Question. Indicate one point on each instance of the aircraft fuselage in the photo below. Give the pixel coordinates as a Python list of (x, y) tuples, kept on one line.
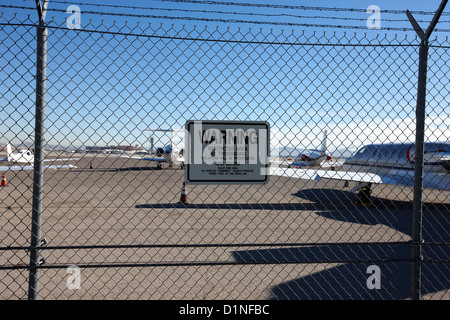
[(382, 158)]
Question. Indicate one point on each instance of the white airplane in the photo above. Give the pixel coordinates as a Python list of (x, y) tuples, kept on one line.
[(391, 163), (169, 154), (27, 157), (310, 157)]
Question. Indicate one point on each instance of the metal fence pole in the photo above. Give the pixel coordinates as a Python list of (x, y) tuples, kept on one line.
[(38, 181), (418, 173), (416, 270)]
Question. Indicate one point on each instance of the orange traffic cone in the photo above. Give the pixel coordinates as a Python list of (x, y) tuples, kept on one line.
[(183, 197), (4, 180)]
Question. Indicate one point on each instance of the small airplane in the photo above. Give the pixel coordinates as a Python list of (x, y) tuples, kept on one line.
[(169, 154), (27, 157), (310, 157), (390, 163)]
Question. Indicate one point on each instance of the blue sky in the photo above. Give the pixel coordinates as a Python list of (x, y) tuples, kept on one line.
[(107, 88)]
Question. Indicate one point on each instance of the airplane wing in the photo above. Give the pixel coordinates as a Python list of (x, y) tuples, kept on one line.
[(125, 156), (291, 163), (303, 164), (154, 159), (331, 164), (432, 180), (281, 162), (68, 159), (311, 174), (21, 168), (300, 164), (158, 159)]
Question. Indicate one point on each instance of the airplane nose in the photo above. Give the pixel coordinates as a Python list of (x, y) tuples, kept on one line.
[(329, 157)]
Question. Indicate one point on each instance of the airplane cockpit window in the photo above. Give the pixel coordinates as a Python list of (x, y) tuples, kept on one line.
[(359, 153), (371, 152)]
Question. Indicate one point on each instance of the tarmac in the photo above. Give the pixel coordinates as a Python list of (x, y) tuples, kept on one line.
[(119, 221)]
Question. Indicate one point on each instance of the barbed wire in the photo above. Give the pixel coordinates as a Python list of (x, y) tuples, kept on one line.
[(272, 6), (229, 12), (220, 20), (281, 6)]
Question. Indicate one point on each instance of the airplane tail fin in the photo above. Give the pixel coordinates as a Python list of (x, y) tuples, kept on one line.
[(9, 151), (323, 146)]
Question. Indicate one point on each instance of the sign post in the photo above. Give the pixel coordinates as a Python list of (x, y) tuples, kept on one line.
[(227, 152)]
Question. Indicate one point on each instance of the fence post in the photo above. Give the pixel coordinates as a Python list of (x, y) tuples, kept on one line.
[(418, 174), (416, 269), (38, 180)]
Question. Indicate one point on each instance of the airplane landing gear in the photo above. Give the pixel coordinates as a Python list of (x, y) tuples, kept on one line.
[(364, 195)]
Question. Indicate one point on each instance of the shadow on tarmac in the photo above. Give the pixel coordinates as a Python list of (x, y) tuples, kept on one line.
[(350, 279)]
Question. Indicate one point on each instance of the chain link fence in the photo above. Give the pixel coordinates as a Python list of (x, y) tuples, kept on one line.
[(112, 224)]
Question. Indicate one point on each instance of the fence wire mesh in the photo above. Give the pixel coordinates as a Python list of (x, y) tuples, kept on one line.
[(112, 224)]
